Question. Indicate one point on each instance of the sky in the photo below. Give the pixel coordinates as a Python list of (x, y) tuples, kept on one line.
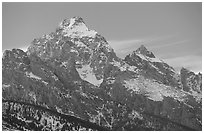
[(172, 31)]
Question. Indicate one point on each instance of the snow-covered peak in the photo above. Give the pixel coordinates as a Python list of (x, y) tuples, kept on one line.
[(144, 54), (143, 50), (86, 73), (71, 22), (76, 27), (149, 59), (141, 57)]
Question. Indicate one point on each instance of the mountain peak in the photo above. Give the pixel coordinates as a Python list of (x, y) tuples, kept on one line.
[(143, 50), (76, 27), (78, 19), (71, 22), (185, 71)]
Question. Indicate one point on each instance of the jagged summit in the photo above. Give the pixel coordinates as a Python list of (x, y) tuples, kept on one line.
[(75, 43), (74, 71), (144, 54), (191, 81), (75, 27), (185, 71), (71, 22), (143, 50), (14, 52), (78, 19)]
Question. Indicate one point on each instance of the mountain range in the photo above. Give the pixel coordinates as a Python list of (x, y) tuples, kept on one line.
[(72, 76)]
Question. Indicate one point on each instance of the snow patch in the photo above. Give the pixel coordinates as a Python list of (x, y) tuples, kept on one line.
[(132, 85), (86, 73), (31, 75), (55, 77), (46, 83), (58, 109), (155, 60), (80, 44), (79, 30), (148, 58), (124, 66), (64, 64), (74, 51), (134, 114), (153, 90), (156, 69), (6, 85)]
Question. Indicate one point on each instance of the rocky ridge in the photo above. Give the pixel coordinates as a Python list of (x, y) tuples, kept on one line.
[(75, 71)]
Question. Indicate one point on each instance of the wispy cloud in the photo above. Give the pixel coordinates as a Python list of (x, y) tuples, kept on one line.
[(123, 47), (163, 46), (124, 44), (170, 44), (143, 40)]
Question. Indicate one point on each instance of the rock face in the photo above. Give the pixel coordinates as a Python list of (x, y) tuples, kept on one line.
[(153, 68), (190, 81), (74, 71)]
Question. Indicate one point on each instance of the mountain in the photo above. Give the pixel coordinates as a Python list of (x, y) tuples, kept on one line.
[(75, 72), (191, 82), (153, 67)]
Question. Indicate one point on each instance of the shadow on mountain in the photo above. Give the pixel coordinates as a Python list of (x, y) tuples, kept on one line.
[(26, 116)]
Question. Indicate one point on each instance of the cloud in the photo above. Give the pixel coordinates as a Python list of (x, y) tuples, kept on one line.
[(163, 47), (124, 47), (121, 44), (170, 44), (159, 41)]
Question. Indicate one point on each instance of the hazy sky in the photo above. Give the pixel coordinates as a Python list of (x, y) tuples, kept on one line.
[(172, 31)]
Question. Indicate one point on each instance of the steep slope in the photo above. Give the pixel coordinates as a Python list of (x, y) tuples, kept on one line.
[(61, 72), (153, 67), (157, 70), (152, 86), (24, 116), (36, 82), (74, 71), (190, 81), (73, 44)]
